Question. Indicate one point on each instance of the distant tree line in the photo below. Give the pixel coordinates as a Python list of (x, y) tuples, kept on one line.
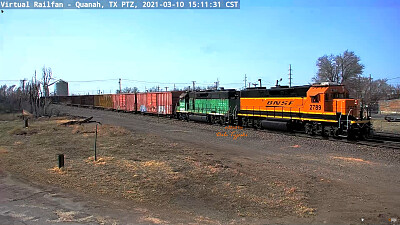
[(159, 89), (27, 96), (128, 90), (344, 69)]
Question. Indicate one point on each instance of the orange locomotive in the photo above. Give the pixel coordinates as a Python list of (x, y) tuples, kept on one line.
[(324, 109)]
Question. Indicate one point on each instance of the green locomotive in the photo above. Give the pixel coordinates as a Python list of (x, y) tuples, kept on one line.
[(209, 106)]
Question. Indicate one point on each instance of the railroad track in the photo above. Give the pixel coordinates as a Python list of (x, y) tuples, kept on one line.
[(380, 139)]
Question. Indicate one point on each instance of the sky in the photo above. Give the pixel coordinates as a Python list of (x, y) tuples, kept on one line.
[(92, 49)]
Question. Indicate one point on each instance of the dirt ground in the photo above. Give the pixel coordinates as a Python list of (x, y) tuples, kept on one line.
[(196, 173)]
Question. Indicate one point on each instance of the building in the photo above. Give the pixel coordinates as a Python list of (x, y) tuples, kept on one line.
[(389, 106), (61, 88)]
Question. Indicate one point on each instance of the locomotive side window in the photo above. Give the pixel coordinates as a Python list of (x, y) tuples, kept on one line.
[(338, 95), (315, 99)]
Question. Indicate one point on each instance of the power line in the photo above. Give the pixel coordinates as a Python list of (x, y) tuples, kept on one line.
[(152, 82), (10, 80), (86, 81)]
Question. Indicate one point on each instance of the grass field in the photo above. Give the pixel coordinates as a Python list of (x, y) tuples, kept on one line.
[(144, 169), (381, 125)]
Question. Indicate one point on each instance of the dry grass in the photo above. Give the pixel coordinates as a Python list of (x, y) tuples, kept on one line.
[(145, 169), (10, 116), (382, 125)]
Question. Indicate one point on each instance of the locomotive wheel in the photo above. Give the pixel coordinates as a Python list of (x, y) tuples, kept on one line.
[(309, 129), (212, 120), (325, 131), (245, 122), (222, 120), (257, 124)]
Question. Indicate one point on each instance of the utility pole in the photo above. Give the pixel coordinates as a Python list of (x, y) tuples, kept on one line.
[(119, 85), (23, 84), (193, 85), (290, 75), (216, 84), (370, 87), (166, 88), (370, 82), (245, 80)]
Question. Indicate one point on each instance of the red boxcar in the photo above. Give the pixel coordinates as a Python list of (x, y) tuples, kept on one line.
[(162, 103), (124, 102), (130, 101), (119, 102)]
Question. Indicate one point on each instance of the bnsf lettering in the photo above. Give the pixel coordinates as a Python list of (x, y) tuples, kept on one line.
[(279, 102)]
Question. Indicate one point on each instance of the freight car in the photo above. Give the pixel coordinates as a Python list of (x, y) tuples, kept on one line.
[(87, 101), (159, 103), (65, 100), (124, 102), (104, 101)]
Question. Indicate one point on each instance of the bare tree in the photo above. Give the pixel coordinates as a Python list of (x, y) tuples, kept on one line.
[(327, 69), (396, 92), (340, 68), (47, 75), (154, 89), (33, 89), (349, 66), (129, 90), (379, 90)]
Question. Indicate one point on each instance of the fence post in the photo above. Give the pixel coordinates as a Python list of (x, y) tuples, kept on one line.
[(60, 160), (95, 147)]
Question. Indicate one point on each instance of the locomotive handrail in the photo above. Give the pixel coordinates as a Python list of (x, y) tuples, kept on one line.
[(348, 119)]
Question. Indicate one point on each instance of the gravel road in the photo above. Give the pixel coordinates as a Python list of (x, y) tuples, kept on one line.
[(22, 202)]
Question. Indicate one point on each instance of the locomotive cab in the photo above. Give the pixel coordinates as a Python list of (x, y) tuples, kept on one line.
[(331, 98), (333, 103)]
